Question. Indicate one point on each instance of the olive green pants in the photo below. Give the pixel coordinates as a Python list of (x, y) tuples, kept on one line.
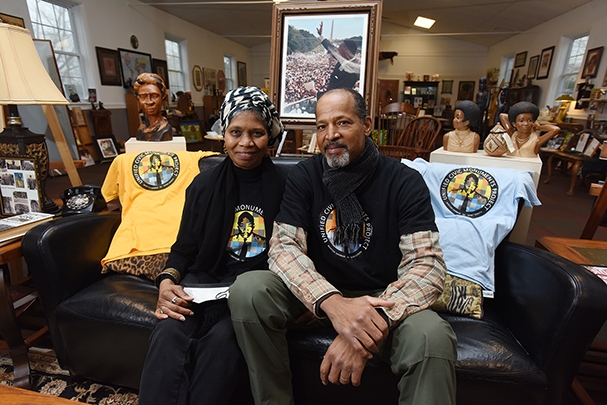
[(421, 349)]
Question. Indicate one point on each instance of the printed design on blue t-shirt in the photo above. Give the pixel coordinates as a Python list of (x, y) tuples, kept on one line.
[(248, 238), (328, 223), (469, 191), (155, 170)]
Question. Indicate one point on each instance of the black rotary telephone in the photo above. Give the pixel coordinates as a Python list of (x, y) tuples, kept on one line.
[(82, 199)]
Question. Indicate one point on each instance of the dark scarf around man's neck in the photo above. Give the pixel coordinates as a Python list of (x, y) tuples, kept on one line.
[(342, 184)]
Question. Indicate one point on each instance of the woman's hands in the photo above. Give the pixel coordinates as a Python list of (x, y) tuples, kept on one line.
[(172, 301)]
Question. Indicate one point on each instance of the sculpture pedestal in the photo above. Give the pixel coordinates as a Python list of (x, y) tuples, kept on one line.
[(481, 159), (175, 145)]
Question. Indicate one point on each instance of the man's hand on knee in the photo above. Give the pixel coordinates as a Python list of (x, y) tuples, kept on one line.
[(342, 364), (358, 322)]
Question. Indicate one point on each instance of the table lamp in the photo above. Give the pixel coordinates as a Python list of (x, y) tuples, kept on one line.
[(565, 101), (25, 81)]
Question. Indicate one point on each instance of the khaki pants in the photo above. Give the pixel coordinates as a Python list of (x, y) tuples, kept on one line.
[(422, 349)]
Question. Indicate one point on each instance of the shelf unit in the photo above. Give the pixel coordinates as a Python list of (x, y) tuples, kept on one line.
[(424, 94)]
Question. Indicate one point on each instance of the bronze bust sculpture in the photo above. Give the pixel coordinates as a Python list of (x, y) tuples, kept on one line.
[(151, 93)]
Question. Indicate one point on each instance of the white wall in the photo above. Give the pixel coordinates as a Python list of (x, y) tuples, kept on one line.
[(590, 18), (425, 54)]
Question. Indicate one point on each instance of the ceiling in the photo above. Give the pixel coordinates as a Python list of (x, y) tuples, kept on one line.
[(484, 22)]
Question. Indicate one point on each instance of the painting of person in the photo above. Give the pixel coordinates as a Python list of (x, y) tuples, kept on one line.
[(462, 138), (468, 198), (591, 65), (520, 123), (151, 93)]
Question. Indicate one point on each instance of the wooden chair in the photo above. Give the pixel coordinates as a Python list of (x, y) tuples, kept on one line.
[(393, 119), (415, 141), (596, 215)]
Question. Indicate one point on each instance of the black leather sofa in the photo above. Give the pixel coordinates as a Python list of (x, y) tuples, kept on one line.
[(526, 349)]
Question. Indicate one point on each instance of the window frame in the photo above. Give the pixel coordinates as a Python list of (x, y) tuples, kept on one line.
[(567, 62), (231, 73), (184, 85)]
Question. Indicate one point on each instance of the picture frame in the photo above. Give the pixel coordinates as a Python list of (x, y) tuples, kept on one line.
[(161, 68), (447, 87), (109, 66), (197, 77), (592, 62), (191, 131), (241, 67), (19, 185), (296, 81), (132, 64), (12, 20), (545, 62), (466, 90), (210, 79), (532, 70), (520, 59), (107, 147)]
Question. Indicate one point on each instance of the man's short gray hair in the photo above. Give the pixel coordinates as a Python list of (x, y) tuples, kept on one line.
[(360, 107)]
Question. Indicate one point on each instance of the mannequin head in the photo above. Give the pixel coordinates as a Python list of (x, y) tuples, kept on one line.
[(469, 114)]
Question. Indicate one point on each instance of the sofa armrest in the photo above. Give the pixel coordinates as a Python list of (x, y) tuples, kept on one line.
[(553, 307), (63, 256)]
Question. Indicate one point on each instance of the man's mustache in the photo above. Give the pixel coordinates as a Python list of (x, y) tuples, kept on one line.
[(332, 144)]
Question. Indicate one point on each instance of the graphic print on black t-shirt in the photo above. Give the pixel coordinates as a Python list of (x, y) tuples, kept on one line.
[(469, 191), (248, 238), (155, 170), (328, 223)]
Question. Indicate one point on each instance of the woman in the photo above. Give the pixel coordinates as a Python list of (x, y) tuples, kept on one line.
[(225, 230), (152, 93), (524, 131)]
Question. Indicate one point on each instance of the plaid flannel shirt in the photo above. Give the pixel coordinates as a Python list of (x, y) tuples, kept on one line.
[(421, 272)]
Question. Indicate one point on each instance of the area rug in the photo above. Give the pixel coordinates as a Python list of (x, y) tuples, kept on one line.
[(48, 378)]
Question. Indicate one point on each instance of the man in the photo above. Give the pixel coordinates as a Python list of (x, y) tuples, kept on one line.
[(355, 242)]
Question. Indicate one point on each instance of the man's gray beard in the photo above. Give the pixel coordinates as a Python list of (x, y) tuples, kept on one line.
[(337, 162)]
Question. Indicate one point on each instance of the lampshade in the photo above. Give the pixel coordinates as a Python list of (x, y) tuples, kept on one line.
[(565, 97), (23, 78)]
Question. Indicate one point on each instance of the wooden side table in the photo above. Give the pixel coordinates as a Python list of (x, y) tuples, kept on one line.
[(9, 329), (576, 159)]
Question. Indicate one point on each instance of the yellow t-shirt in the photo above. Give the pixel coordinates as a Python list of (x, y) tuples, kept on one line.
[(151, 188)]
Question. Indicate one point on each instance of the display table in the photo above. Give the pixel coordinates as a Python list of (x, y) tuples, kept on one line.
[(481, 159), (176, 145)]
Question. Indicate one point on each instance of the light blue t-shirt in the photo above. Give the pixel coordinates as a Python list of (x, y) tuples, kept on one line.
[(475, 208)]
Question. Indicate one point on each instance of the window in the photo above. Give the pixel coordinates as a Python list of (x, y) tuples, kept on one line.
[(573, 65), (175, 66), (228, 67), (54, 22), (509, 66)]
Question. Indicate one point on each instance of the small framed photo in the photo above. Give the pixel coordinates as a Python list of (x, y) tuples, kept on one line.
[(532, 71), (593, 60), (109, 66), (161, 68), (20, 185), (242, 73), (197, 77), (466, 90), (133, 64), (545, 63), (447, 86), (520, 59), (107, 147)]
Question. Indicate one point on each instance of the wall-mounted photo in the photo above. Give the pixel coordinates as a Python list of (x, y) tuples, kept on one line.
[(197, 77), (533, 61), (520, 59), (19, 185), (466, 90), (447, 86), (545, 63), (321, 47), (133, 64), (593, 60), (109, 66), (242, 73)]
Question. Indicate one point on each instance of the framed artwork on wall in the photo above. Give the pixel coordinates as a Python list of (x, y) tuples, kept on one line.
[(322, 46), (133, 64), (109, 66), (160, 67), (545, 63), (520, 59), (466, 90), (242, 73), (532, 70), (592, 62), (447, 87), (197, 77), (19, 185)]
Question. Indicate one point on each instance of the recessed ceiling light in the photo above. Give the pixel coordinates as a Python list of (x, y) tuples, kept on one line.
[(424, 22)]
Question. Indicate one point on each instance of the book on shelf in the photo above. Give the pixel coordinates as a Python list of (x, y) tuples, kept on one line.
[(13, 228)]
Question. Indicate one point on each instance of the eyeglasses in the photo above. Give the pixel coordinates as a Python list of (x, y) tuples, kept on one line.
[(151, 96)]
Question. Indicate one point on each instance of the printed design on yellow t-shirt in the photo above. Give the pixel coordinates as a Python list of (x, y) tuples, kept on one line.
[(327, 224), (156, 170), (469, 191), (248, 238)]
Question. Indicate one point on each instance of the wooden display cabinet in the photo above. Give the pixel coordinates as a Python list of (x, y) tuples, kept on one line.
[(424, 94)]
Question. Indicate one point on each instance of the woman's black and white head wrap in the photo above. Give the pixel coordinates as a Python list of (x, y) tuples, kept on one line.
[(251, 98)]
